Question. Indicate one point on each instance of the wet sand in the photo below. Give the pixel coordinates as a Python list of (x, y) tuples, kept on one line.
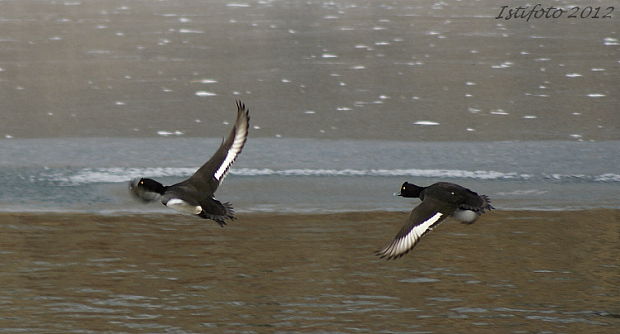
[(511, 272)]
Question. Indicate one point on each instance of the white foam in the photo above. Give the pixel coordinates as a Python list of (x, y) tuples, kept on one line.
[(522, 192), (425, 123), (573, 75), (169, 133), (607, 177), (610, 41), (190, 31), (499, 112), (595, 95), (239, 5), (206, 81), (537, 95), (329, 55), (120, 175), (203, 93), (505, 64)]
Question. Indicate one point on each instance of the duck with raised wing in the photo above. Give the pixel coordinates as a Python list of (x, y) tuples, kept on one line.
[(439, 201), (195, 195)]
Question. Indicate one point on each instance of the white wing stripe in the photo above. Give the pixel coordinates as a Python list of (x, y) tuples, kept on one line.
[(233, 152), (405, 243)]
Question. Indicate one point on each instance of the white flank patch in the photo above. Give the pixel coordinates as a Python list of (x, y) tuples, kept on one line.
[(233, 151), (405, 243), (182, 206), (465, 216)]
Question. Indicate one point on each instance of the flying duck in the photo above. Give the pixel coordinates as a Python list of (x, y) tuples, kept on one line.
[(195, 195), (439, 201)]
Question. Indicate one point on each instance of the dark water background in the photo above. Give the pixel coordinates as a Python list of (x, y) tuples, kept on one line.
[(311, 69)]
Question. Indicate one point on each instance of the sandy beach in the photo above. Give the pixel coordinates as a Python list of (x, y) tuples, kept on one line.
[(512, 271)]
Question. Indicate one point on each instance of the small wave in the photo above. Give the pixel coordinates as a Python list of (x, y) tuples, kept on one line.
[(448, 173), (112, 175), (117, 175)]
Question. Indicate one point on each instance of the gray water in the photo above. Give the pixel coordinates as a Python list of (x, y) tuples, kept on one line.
[(397, 70), (308, 175)]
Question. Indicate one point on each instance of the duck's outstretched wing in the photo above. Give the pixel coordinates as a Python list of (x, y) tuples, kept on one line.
[(422, 220), (212, 173)]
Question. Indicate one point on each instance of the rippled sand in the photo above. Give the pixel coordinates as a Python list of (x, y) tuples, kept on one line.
[(511, 272)]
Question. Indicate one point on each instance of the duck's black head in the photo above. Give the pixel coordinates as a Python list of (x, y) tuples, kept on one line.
[(146, 189), (410, 190)]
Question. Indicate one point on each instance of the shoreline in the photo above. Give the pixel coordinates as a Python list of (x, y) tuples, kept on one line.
[(337, 214)]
